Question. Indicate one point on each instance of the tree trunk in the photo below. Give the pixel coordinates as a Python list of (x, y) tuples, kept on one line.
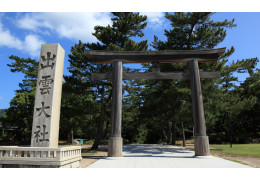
[(169, 128), (72, 136), (183, 136), (173, 132), (230, 133), (3, 132), (106, 129), (133, 135), (108, 121), (164, 135), (101, 121)]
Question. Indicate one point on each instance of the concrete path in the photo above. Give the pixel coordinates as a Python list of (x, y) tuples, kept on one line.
[(162, 156)]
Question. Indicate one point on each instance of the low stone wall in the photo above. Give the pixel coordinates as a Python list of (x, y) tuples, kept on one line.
[(40, 157)]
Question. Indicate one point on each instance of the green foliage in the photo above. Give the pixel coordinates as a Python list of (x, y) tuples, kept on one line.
[(112, 38), (117, 37), (249, 116), (190, 31), (29, 67), (19, 115), (193, 30), (2, 111), (78, 110), (77, 113), (222, 102), (224, 109)]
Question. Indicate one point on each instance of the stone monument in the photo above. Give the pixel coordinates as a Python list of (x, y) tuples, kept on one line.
[(44, 150), (46, 117)]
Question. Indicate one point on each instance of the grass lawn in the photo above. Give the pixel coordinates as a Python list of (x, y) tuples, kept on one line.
[(252, 150)]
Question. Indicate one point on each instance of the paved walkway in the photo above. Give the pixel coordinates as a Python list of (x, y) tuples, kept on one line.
[(162, 156)]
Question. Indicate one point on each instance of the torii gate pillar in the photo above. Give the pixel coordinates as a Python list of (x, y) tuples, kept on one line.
[(201, 141), (115, 142)]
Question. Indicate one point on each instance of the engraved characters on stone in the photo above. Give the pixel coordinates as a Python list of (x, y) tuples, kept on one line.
[(48, 60), (38, 134), (41, 109), (45, 87), (45, 83)]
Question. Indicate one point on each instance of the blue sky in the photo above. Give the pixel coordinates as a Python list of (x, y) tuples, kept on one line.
[(22, 34)]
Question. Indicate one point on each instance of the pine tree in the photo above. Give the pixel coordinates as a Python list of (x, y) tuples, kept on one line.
[(193, 30), (190, 31), (19, 115), (116, 37)]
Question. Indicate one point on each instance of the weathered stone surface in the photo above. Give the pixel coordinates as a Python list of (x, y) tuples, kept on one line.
[(46, 117), (115, 145), (201, 139), (44, 151), (154, 75), (40, 157), (201, 145), (116, 99), (171, 56), (115, 140)]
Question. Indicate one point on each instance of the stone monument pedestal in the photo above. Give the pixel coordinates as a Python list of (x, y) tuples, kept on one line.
[(40, 157)]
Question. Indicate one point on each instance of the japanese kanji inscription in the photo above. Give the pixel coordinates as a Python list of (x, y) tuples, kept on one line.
[(45, 83), (48, 60), (45, 130), (41, 109), (38, 134)]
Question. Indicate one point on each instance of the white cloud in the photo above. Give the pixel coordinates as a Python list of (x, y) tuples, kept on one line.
[(1, 98), (6, 39), (27, 22), (155, 19), (77, 26), (31, 44)]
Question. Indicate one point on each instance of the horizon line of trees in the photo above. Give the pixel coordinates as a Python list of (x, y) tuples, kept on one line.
[(232, 110)]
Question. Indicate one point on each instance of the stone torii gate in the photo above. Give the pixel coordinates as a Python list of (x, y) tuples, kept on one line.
[(193, 57)]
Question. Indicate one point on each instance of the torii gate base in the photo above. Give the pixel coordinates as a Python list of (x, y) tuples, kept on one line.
[(115, 147), (201, 145), (201, 141)]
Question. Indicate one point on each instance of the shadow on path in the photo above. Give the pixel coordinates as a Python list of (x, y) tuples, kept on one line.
[(155, 150)]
